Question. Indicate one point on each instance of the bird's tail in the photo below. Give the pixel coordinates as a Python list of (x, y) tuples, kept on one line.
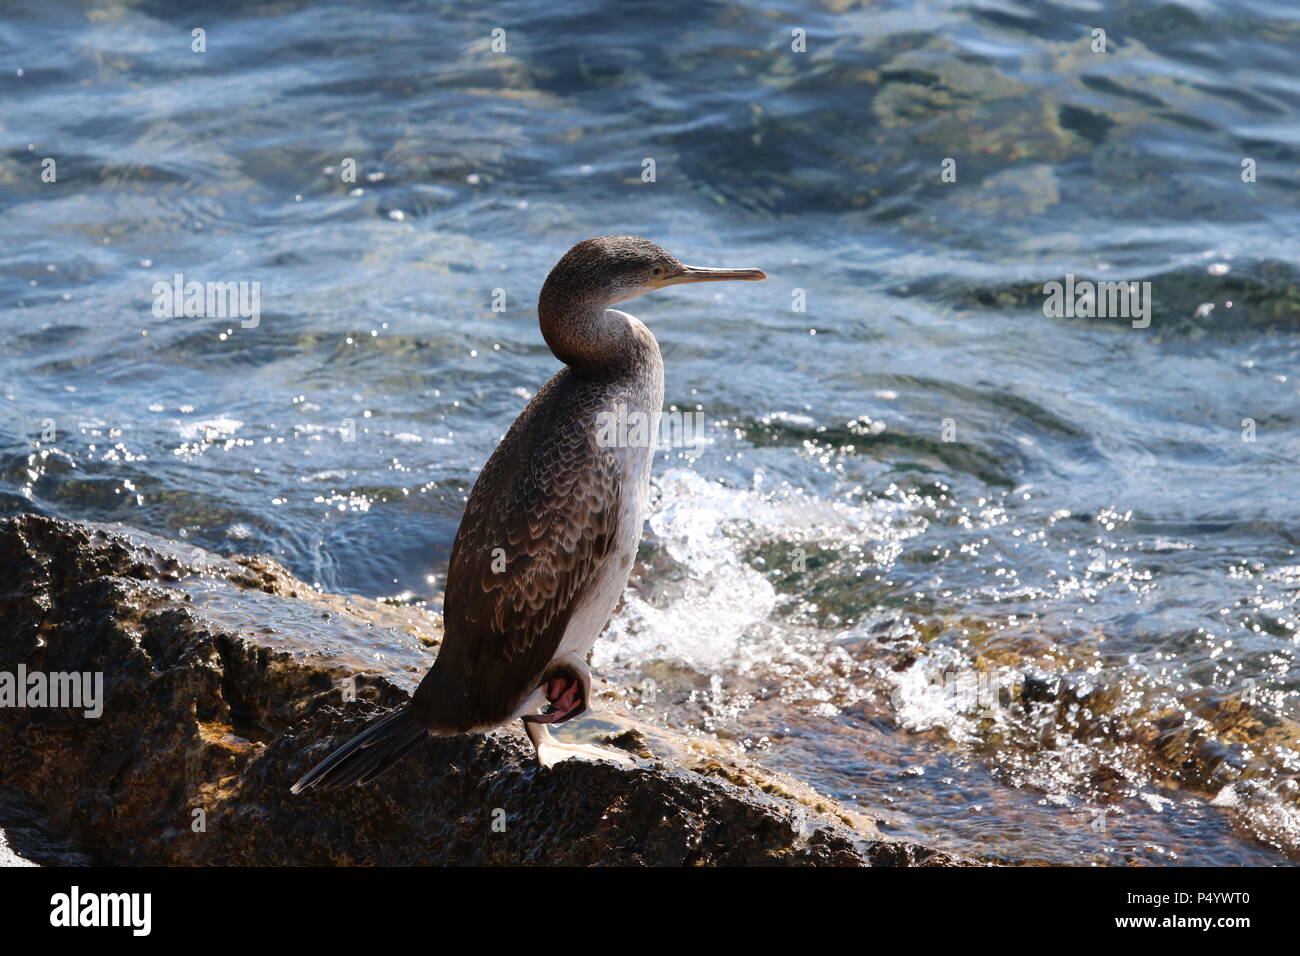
[(368, 754)]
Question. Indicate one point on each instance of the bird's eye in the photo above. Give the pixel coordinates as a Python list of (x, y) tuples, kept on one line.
[(657, 271)]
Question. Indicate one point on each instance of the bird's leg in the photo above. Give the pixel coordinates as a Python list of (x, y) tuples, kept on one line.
[(566, 698), (566, 693)]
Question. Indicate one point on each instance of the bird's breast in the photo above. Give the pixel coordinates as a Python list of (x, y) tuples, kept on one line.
[(627, 431)]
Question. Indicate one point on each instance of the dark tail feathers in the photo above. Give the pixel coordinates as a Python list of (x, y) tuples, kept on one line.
[(368, 754)]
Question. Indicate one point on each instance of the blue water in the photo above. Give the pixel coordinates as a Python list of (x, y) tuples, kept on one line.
[(920, 471)]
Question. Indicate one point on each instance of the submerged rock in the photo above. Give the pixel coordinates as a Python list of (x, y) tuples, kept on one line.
[(221, 687)]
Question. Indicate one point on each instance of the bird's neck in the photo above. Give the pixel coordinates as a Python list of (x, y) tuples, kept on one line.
[(591, 338)]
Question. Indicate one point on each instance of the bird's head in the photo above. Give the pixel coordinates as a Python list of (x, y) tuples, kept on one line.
[(611, 269)]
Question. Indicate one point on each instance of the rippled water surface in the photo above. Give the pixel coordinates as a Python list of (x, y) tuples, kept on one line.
[(1025, 586)]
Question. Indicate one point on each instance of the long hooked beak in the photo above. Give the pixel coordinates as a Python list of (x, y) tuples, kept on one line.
[(697, 274)]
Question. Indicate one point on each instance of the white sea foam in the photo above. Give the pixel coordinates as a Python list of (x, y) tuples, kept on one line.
[(715, 598), (209, 429)]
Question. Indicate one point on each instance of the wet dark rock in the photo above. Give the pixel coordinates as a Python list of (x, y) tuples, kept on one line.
[(204, 727), (1037, 690)]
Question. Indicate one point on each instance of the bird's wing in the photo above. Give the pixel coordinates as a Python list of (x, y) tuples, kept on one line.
[(542, 515)]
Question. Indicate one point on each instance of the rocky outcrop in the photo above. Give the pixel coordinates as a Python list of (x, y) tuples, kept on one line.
[(221, 687)]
